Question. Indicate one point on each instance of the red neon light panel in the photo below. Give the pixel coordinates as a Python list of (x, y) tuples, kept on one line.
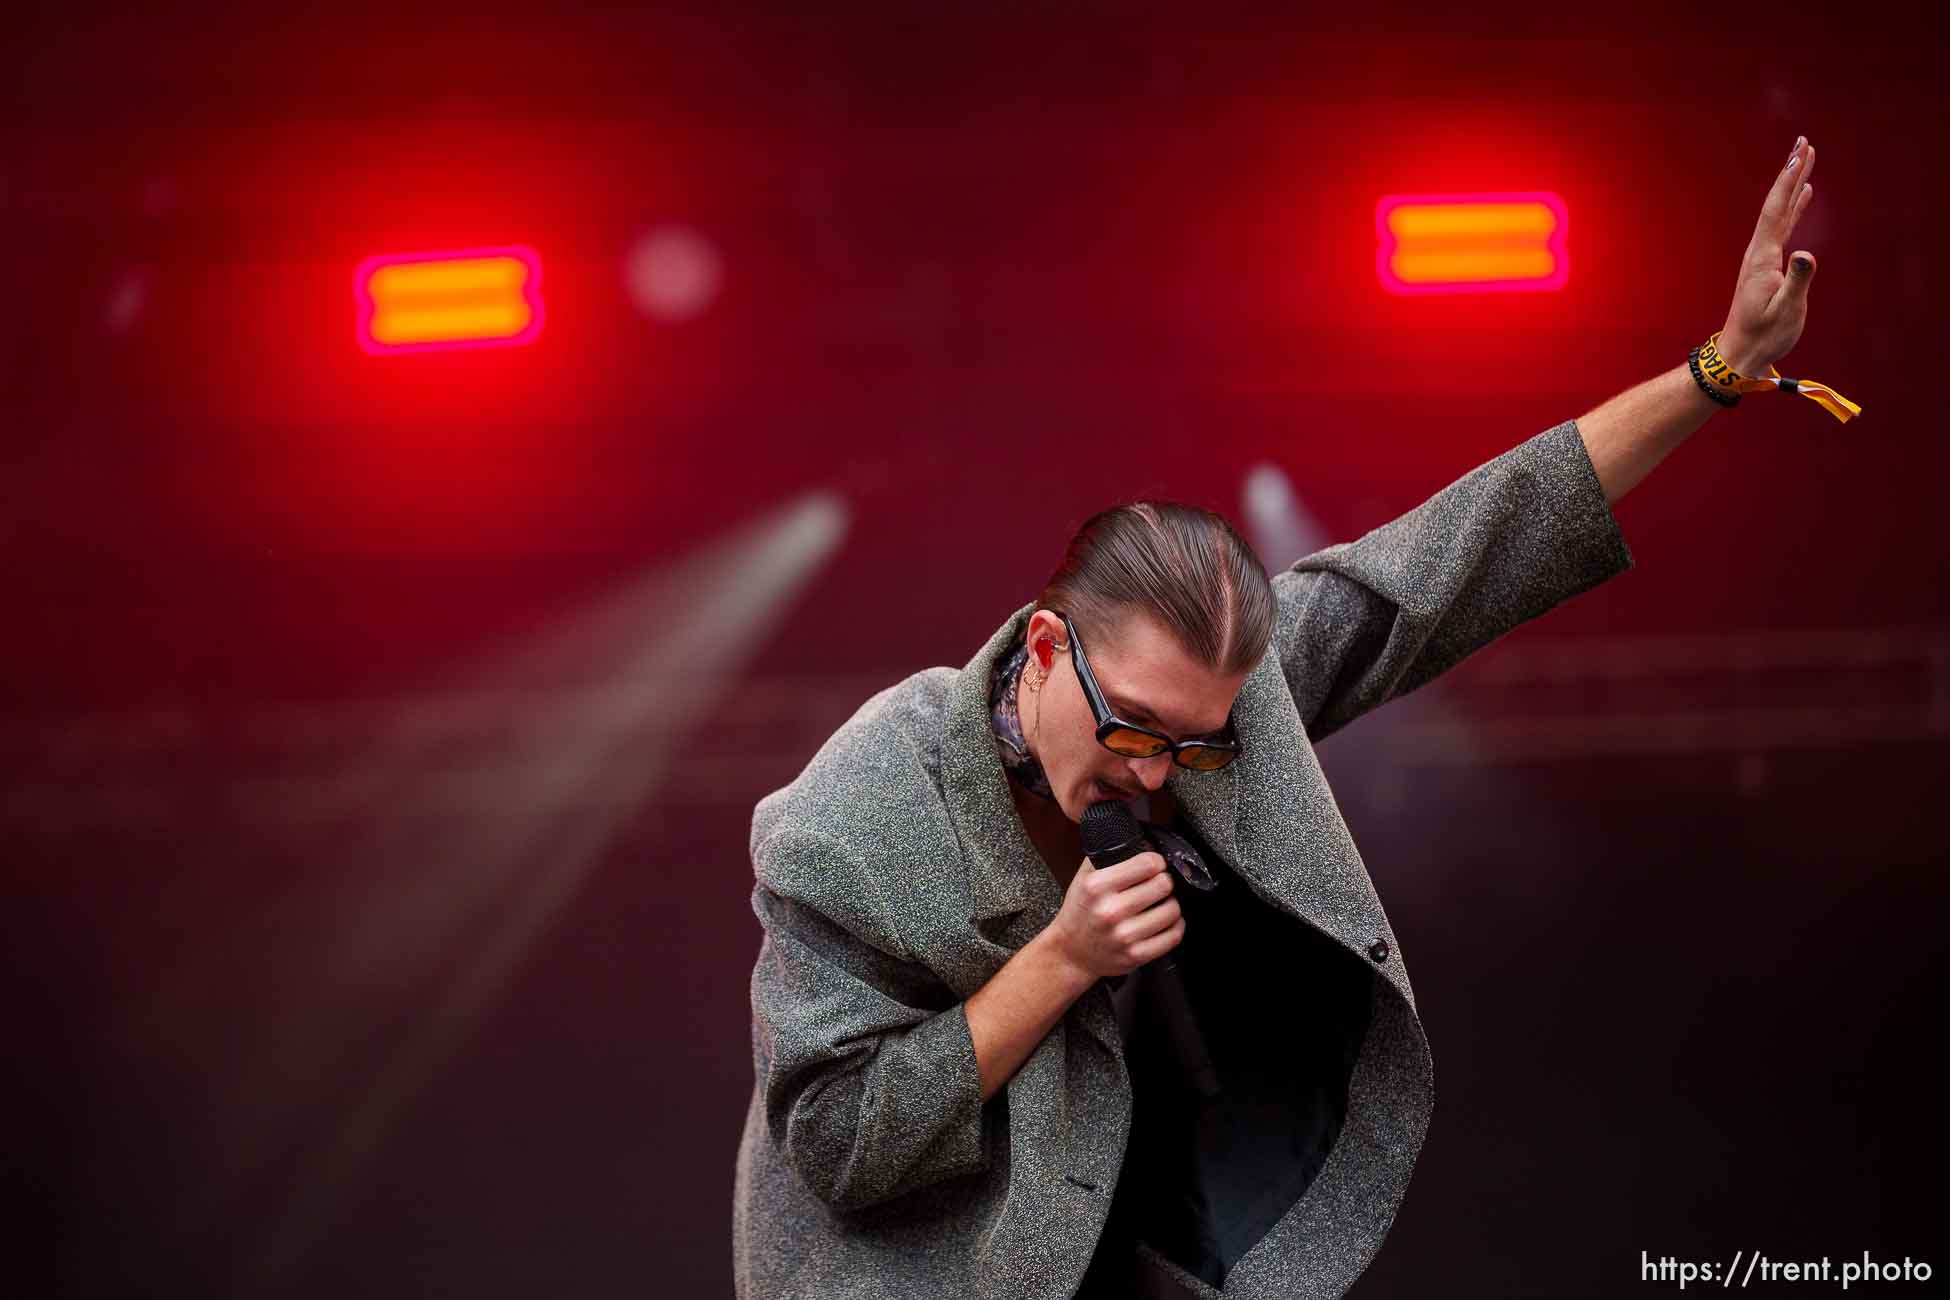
[(1505, 242), (471, 298)]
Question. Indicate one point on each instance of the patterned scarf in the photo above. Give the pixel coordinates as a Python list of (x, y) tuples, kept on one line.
[(1005, 724)]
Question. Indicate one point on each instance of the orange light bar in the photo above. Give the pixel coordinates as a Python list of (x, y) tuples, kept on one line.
[(1472, 243), (423, 302)]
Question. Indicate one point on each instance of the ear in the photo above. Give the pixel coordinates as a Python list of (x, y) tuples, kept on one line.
[(1045, 629)]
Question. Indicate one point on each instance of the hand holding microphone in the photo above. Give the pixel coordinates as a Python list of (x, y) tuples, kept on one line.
[(1117, 916)]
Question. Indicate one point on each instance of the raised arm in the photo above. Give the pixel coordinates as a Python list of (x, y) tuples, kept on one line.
[(1636, 430), (1365, 621)]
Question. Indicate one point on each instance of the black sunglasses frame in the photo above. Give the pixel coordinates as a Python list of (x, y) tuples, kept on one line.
[(1108, 722)]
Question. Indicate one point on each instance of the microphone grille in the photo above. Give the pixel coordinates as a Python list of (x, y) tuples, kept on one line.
[(1107, 825)]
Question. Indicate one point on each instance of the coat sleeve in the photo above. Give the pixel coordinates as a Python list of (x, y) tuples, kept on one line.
[(865, 1061), (1365, 621)]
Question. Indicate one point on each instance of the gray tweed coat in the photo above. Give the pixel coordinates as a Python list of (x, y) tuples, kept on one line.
[(894, 878)]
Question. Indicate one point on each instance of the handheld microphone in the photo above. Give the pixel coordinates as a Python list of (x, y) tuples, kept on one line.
[(1110, 836)]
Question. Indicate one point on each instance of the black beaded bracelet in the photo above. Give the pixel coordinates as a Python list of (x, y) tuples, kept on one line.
[(1699, 377)]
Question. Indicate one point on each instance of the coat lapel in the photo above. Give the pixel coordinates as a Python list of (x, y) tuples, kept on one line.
[(1278, 826), (1011, 893)]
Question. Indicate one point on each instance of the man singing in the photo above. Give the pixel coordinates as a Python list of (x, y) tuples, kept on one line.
[(964, 1085)]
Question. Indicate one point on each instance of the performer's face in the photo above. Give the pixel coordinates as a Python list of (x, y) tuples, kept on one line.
[(1147, 678)]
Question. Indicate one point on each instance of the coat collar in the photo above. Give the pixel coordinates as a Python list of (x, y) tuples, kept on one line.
[(1005, 873)]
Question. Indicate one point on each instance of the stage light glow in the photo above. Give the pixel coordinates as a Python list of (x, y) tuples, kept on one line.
[(471, 298), (1279, 525), (477, 807), (126, 303), (1505, 242), (672, 273)]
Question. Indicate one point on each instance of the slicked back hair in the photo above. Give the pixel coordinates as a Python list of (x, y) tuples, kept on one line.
[(1183, 565)]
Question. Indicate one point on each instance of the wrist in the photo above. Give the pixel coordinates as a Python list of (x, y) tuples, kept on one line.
[(1070, 974), (1736, 353)]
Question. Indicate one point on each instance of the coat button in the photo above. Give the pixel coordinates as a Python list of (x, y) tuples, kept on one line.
[(1379, 950)]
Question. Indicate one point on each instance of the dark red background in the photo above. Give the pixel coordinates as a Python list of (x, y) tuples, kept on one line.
[(1667, 865)]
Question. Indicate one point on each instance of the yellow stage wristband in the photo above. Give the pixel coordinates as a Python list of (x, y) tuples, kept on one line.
[(1728, 384)]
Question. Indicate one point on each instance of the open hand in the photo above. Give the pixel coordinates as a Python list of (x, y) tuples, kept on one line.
[(1769, 307)]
